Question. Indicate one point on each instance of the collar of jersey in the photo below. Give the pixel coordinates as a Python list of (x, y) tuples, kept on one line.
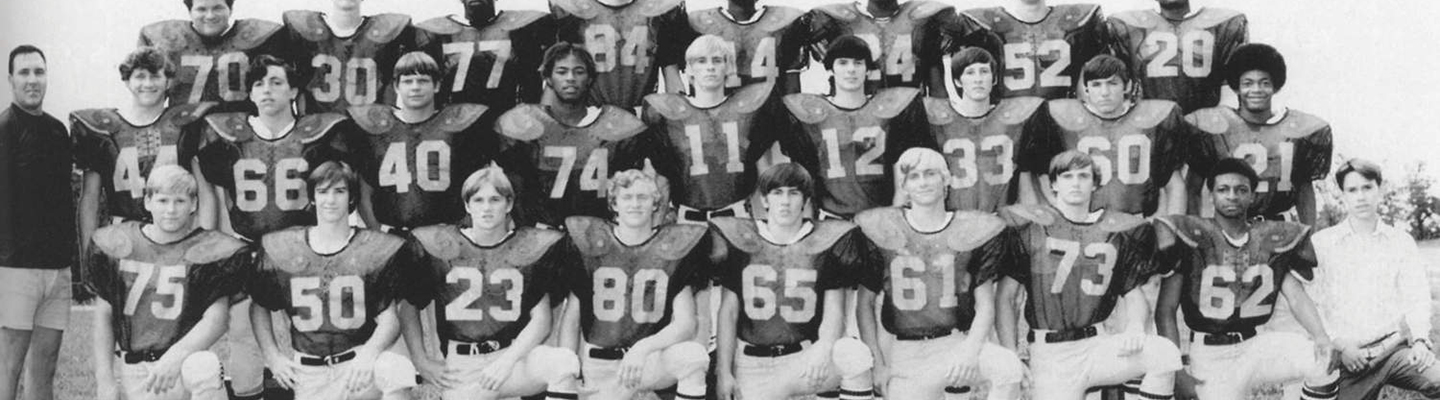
[(759, 13), (1193, 12), (860, 8), (763, 228), (263, 132)]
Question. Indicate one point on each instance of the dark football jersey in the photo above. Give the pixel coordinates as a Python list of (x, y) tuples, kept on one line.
[(709, 154), (1228, 286), (488, 291), (1294, 147), (766, 47), (981, 150), (928, 278), (630, 43), (626, 292), (1179, 60), (265, 179), (896, 42), (851, 152), (573, 162), (158, 292), (1136, 153), (782, 286), (123, 154), (1075, 273), (352, 70), (417, 169), (212, 69), (1044, 58), (497, 65), (332, 299)]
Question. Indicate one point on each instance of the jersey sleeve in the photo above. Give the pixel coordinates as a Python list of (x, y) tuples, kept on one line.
[(1040, 140), (264, 284), (821, 29), (539, 36), (990, 259), (89, 153), (675, 36), (1172, 255), (344, 142), (1172, 147), (1136, 262), (220, 279), (1300, 261), (1230, 36), (216, 157), (1018, 265), (730, 262), (908, 129), (846, 262), (100, 279), (428, 273), (397, 280), (868, 272), (1313, 156), (694, 270), (561, 255)]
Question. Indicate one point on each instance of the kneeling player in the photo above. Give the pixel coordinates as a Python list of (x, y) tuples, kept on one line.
[(336, 284), (632, 307), (783, 309), (1076, 265), (937, 276), (1226, 281), (494, 282), (163, 329)]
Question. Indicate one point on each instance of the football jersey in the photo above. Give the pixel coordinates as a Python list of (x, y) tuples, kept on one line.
[(1075, 273), (629, 43), (265, 179), (1228, 286), (487, 291), (851, 152), (1136, 153), (1182, 60), (897, 42), (709, 153), (1293, 147), (1044, 58), (332, 299), (782, 287), (981, 150), (212, 69), (626, 292), (573, 162), (767, 46), (123, 154), (352, 70), (497, 65), (158, 292), (416, 169)]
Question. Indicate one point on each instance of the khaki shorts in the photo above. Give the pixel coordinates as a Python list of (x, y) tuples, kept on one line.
[(34, 297)]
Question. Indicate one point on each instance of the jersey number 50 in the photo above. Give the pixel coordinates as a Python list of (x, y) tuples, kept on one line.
[(313, 303)]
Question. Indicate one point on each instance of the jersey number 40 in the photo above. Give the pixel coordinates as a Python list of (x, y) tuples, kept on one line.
[(431, 172)]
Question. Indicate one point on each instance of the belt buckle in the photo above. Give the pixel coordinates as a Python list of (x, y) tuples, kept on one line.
[(334, 359), (488, 346)]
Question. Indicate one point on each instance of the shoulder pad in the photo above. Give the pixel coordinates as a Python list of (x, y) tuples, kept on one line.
[(1149, 113), (385, 27), (99, 120), (1213, 120), (987, 17), (616, 124), (1071, 114), (1021, 214), (741, 233), (707, 20), (314, 126), (1279, 236), (459, 116), (250, 32), (1211, 16), (443, 25), (584, 9), (826, 233), (890, 102), (654, 8), (515, 19), (751, 97), (439, 241), (308, 24), (1115, 221), (841, 11), (674, 241), (777, 17), (231, 126), (286, 247), (1071, 16), (1143, 19), (375, 119), (1016, 110), (939, 111), (375, 243), (808, 108), (884, 226), (591, 235), (920, 10), (530, 244), (1189, 229), (524, 122), (970, 229), (168, 34), (670, 105), (1300, 124), (115, 240), (184, 114), (211, 246)]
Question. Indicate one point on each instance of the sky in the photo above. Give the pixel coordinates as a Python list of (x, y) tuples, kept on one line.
[(1368, 67)]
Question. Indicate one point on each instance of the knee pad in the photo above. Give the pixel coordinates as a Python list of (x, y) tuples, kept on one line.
[(1161, 355), (393, 372), (200, 370), (552, 364), (685, 359), (851, 357)]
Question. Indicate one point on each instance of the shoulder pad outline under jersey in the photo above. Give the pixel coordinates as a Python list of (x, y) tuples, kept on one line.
[(115, 240), (211, 246), (251, 33), (1142, 19), (313, 127), (1071, 114), (1017, 110), (844, 11), (674, 241), (1149, 113), (970, 229), (104, 121), (671, 106), (1209, 17), (306, 23), (442, 25), (1115, 221), (1074, 15), (1298, 124), (808, 107), (1279, 236), (750, 97), (234, 127), (1025, 214), (535, 243), (1190, 229), (375, 119), (922, 9), (510, 20), (939, 112), (890, 102), (1213, 120), (592, 236), (824, 236), (384, 28), (440, 241), (884, 226), (740, 232)]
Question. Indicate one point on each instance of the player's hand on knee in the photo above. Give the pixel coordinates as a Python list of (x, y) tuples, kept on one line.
[(283, 369), (966, 365), (1353, 358), (360, 372), (726, 388), (632, 367), (1185, 385), (435, 372), (1131, 343), (881, 374), (817, 368), (1421, 358), (495, 374), (164, 373)]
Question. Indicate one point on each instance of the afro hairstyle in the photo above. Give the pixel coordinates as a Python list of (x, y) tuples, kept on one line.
[(1252, 57)]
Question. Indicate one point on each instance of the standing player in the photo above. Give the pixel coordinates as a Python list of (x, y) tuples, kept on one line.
[(164, 290), (347, 55), (937, 277), (1229, 273), (903, 38), (768, 43), (496, 284), (850, 140), (1289, 149), (1043, 46), (491, 58), (782, 316), (631, 310), (212, 52), (336, 284), (1076, 265), (631, 42), (1182, 50)]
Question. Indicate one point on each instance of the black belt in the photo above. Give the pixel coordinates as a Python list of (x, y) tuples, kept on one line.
[(609, 353), (327, 360), (1068, 335), (478, 348), (1225, 338), (924, 336), (136, 357), (701, 215), (773, 350)]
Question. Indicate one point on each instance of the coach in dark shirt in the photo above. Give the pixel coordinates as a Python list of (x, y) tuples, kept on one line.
[(37, 231)]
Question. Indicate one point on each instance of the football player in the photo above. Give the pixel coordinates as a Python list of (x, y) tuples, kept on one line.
[(164, 289), (212, 52), (1229, 273), (1178, 53), (496, 283), (1043, 45), (1076, 264), (491, 58), (347, 55), (1136, 144), (632, 42), (849, 140), (768, 42), (782, 316), (936, 278), (631, 310), (902, 38), (1288, 148), (978, 132), (571, 142), (336, 284)]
